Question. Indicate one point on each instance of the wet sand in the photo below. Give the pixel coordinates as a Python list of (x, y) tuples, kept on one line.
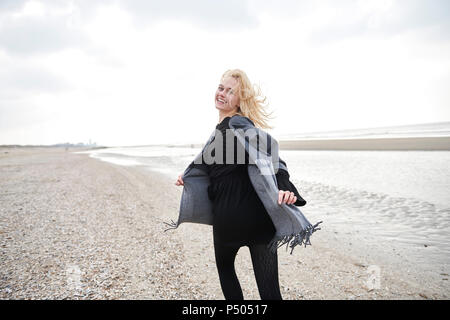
[(74, 227)]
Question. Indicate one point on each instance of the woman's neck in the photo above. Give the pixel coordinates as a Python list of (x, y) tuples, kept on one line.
[(223, 115)]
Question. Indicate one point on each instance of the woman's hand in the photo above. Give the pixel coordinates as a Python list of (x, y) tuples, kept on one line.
[(287, 197), (180, 181)]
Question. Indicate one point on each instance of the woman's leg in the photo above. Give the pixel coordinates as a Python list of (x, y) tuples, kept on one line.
[(225, 256), (265, 266)]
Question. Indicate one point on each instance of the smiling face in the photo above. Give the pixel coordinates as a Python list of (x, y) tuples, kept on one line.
[(227, 95)]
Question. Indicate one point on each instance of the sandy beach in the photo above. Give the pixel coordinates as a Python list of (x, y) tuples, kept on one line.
[(74, 227)]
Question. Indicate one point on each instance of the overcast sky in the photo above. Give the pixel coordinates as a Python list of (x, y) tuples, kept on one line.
[(136, 72)]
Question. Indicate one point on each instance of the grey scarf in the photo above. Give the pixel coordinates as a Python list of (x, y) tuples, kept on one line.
[(292, 227)]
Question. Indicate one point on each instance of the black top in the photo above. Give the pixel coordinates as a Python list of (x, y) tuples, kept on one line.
[(218, 170)]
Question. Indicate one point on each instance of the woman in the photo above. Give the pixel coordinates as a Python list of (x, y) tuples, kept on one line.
[(239, 217)]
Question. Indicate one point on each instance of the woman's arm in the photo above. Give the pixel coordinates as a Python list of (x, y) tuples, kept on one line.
[(285, 184)]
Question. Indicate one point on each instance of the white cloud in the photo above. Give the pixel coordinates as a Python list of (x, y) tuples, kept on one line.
[(137, 72), (216, 15)]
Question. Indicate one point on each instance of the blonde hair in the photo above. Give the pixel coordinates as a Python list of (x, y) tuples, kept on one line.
[(252, 103)]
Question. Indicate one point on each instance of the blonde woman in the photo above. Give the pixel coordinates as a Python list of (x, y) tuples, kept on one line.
[(223, 193)]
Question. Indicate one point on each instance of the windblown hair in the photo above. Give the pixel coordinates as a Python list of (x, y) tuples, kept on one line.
[(252, 103)]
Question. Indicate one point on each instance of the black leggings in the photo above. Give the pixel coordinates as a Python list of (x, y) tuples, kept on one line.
[(265, 267)]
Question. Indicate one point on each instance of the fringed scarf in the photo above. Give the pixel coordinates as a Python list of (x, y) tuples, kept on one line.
[(292, 227)]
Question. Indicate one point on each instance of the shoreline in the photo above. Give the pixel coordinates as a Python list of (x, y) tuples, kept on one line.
[(76, 227), (376, 144)]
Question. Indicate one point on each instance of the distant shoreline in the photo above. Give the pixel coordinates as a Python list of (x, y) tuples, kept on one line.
[(400, 144), (375, 144), (13, 146)]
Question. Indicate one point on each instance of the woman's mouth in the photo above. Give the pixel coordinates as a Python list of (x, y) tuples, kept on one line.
[(220, 101)]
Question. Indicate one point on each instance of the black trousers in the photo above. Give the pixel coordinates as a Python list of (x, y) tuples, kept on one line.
[(265, 268)]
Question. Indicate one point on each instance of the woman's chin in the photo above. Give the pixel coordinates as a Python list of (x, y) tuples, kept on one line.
[(220, 107)]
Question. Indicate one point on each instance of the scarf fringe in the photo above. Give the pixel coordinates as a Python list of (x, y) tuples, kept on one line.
[(294, 240), (172, 225), (291, 241)]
